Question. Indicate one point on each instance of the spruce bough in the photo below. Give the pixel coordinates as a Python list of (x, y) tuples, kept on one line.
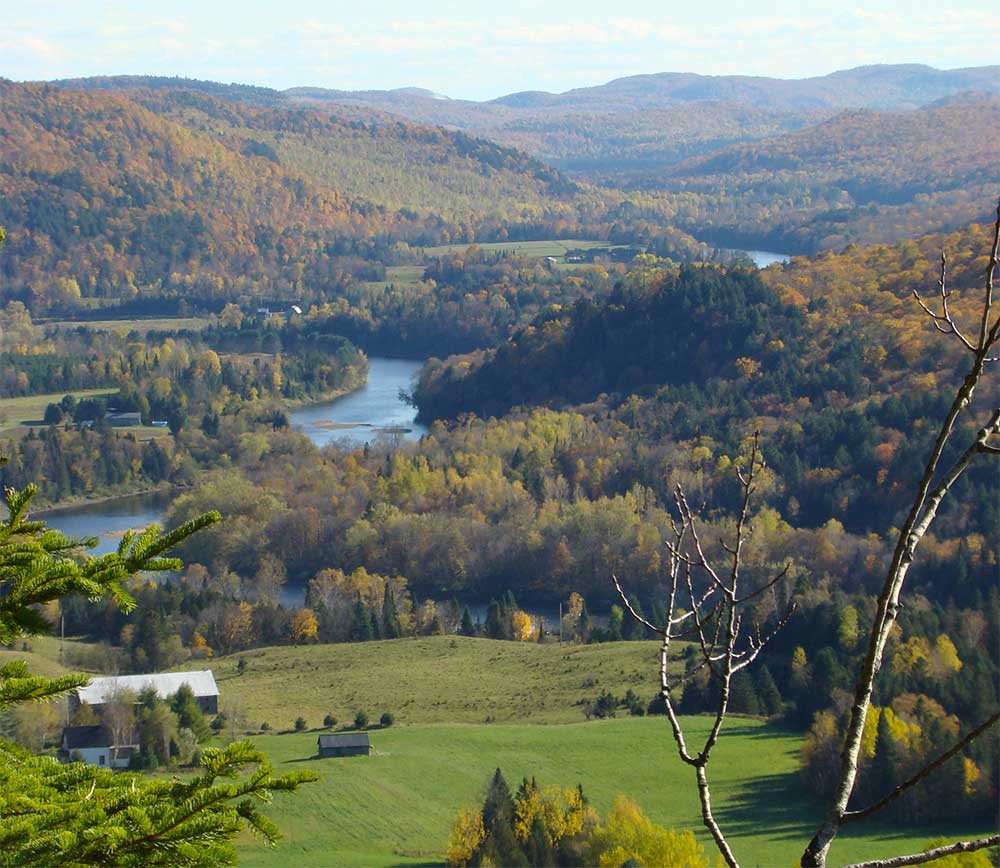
[(75, 814)]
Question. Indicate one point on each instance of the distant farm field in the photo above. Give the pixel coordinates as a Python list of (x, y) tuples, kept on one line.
[(527, 248), (154, 324), (16, 412), (396, 807)]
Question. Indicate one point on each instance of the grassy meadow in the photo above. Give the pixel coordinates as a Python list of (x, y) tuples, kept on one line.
[(396, 807), (21, 412), (438, 679), (553, 247), (466, 706)]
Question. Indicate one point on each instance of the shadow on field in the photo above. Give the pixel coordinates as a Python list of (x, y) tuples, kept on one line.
[(772, 802)]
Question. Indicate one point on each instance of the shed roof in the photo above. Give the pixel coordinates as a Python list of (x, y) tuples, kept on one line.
[(348, 739), (77, 737), (166, 684)]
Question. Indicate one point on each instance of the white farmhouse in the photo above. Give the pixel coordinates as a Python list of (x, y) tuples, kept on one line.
[(94, 746)]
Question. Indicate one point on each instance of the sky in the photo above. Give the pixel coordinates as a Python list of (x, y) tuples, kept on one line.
[(481, 51)]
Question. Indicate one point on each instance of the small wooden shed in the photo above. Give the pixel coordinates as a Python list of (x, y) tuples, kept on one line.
[(347, 744)]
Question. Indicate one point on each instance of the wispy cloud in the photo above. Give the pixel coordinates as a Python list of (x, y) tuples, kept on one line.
[(465, 53)]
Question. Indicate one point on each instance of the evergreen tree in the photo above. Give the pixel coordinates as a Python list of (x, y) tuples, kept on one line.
[(615, 624), (189, 713), (362, 631), (499, 804), (538, 850), (767, 693), (124, 819), (882, 771), (391, 627), (467, 628), (631, 629), (742, 697), (494, 620)]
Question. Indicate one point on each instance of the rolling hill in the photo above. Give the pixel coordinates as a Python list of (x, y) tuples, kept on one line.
[(862, 176), (133, 196)]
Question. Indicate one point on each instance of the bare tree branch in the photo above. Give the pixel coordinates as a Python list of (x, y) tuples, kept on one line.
[(935, 853), (718, 631), (853, 816), (930, 493)]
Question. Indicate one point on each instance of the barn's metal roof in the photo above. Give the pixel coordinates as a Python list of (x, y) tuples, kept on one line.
[(166, 684), (348, 739)]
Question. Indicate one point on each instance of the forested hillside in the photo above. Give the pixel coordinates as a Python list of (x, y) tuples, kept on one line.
[(629, 149), (870, 154), (151, 199), (860, 177)]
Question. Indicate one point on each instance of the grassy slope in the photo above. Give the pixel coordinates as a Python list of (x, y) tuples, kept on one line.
[(42, 656), (433, 680), (526, 248), (396, 807)]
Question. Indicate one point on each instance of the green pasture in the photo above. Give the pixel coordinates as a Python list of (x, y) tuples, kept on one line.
[(527, 248), (396, 807), (18, 412)]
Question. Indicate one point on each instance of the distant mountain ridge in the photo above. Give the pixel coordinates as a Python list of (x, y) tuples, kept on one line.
[(880, 86), (617, 133)]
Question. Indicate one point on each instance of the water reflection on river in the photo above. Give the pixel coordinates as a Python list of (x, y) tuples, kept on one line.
[(109, 519), (375, 410), (764, 258)]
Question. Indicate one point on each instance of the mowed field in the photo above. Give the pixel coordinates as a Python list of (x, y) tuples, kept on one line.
[(396, 807), (153, 324), (18, 412), (556, 247)]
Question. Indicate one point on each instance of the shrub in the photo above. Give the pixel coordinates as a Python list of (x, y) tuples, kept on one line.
[(605, 705), (300, 724), (360, 720), (387, 719), (265, 727), (218, 722), (329, 721)]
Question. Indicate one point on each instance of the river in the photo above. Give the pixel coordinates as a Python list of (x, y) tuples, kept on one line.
[(764, 258), (362, 415), (375, 410), (365, 415)]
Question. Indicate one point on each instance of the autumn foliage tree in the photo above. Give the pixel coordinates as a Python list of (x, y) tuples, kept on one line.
[(719, 613)]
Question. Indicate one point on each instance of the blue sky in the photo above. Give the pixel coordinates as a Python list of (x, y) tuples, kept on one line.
[(478, 50)]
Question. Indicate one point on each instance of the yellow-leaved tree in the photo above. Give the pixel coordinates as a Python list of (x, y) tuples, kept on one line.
[(628, 834)]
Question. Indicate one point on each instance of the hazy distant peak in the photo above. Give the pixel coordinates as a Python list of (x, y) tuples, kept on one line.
[(527, 99), (419, 91)]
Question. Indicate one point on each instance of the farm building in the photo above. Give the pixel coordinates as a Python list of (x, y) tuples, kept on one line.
[(348, 744), (124, 420), (166, 684), (94, 746)]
